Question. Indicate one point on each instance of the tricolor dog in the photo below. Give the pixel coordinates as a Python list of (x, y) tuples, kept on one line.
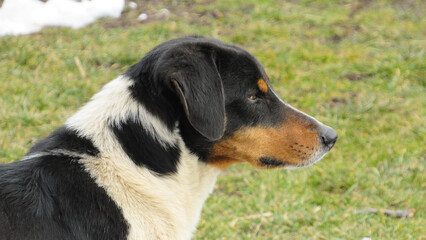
[(139, 160)]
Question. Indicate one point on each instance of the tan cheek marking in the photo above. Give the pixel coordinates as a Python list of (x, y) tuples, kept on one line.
[(262, 85), (292, 143)]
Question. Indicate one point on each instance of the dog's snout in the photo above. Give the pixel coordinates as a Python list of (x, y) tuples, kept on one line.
[(328, 136)]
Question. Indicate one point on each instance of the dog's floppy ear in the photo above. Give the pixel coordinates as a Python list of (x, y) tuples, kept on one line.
[(194, 77)]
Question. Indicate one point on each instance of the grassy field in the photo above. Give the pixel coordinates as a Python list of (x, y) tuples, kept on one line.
[(359, 67)]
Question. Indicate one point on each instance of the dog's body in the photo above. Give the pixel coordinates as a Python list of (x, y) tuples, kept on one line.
[(140, 159)]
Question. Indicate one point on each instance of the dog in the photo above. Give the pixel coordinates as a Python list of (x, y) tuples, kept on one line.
[(139, 160)]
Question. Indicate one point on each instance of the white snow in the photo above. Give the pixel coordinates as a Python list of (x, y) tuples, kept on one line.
[(133, 5), (143, 17), (29, 16)]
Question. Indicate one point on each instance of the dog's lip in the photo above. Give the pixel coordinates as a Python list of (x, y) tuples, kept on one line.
[(316, 157), (272, 162)]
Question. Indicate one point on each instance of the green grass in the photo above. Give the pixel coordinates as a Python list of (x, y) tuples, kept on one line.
[(359, 67)]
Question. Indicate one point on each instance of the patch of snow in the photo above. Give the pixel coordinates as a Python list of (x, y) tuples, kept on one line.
[(143, 17), (29, 16), (164, 11), (133, 5)]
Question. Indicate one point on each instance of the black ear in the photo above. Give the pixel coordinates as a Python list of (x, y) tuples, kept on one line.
[(194, 76)]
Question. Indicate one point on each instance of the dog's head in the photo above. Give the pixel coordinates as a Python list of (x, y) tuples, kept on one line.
[(227, 109)]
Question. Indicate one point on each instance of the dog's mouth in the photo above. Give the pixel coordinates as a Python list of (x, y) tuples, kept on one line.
[(306, 161), (269, 162), (306, 155)]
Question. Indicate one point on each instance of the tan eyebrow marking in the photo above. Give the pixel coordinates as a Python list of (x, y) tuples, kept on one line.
[(262, 85)]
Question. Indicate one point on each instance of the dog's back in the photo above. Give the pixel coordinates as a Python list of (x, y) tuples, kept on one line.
[(48, 195)]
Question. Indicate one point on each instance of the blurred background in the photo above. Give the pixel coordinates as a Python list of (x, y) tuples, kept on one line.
[(358, 66)]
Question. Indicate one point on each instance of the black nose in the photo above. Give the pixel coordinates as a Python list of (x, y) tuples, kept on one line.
[(328, 136)]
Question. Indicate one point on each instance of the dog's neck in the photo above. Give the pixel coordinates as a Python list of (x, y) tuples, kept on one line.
[(150, 202), (156, 207)]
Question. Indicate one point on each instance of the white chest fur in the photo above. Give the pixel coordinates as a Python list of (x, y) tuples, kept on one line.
[(156, 207)]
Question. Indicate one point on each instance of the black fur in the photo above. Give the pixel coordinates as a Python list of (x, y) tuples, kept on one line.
[(144, 150), (52, 197), (65, 139), (270, 162), (187, 71)]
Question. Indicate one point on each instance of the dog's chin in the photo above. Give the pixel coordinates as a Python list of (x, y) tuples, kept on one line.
[(314, 159)]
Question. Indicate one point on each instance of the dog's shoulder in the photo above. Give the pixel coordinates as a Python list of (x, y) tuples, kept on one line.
[(48, 195), (65, 139)]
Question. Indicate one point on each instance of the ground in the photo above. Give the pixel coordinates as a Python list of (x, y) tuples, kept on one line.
[(359, 67)]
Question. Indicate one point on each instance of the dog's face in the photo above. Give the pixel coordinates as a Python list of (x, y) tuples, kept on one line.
[(261, 128), (230, 111)]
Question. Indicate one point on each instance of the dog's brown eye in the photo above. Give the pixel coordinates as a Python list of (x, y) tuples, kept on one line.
[(252, 97)]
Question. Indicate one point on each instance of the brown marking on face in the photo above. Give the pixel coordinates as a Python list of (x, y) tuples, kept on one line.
[(292, 143), (262, 85)]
